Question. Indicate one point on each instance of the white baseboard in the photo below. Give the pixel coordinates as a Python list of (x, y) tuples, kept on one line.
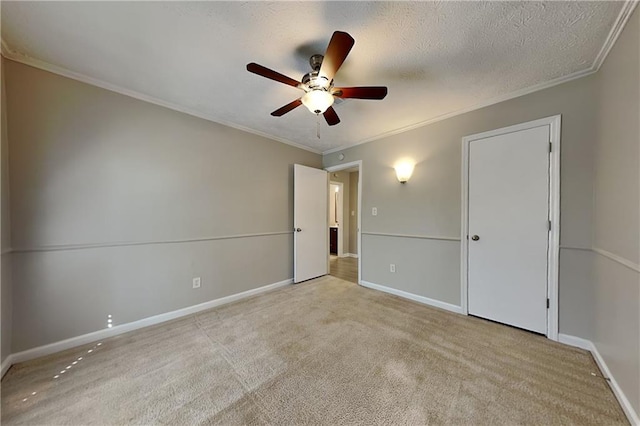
[(124, 328), (348, 255), (628, 409), (578, 342), (8, 362), (414, 297)]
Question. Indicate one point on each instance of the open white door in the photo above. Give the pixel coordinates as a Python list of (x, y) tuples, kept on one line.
[(311, 233)]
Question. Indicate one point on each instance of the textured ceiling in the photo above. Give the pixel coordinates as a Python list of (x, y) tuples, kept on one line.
[(435, 57)]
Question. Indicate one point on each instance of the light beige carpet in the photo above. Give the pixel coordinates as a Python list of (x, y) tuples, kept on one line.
[(321, 352)]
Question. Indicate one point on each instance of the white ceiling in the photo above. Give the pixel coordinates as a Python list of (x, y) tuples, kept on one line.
[(436, 58)]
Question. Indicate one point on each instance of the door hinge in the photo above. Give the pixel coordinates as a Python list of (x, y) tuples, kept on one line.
[(550, 145), (549, 224), (547, 303)]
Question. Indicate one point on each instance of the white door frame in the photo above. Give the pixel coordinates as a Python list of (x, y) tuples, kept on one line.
[(554, 124), (345, 166)]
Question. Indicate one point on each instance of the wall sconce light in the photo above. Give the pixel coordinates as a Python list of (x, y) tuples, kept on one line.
[(404, 171)]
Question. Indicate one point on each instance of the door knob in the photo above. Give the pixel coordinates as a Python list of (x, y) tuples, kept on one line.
[(475, 238), (298, 230)]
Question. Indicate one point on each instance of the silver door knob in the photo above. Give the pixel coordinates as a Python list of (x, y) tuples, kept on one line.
[(475, 238), (298, 230)]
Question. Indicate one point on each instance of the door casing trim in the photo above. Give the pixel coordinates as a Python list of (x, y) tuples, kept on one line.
[(554, 123)]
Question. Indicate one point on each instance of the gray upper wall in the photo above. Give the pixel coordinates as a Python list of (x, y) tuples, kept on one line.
[(430, 203), (617, 174), (91, 166)]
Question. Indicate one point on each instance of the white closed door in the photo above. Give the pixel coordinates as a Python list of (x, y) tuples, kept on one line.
[(509, 229), (310, 223)]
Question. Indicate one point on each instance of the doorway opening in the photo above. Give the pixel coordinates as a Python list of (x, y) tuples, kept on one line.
[(344, 221), (336, 218)]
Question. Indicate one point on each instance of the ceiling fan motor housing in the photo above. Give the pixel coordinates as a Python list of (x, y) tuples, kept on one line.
[(316, 62), (312, 80), (315, 82)]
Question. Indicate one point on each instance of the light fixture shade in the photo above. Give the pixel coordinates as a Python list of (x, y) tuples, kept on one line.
[(317, 101), (404, 171)]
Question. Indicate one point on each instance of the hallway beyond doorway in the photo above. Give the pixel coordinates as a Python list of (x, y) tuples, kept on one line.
[(345, 268)]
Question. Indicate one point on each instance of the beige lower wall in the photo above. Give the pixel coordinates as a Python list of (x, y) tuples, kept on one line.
[(92, 167), (576, 272), (6, 307), (68, 293), (616, 323), (421, 265)]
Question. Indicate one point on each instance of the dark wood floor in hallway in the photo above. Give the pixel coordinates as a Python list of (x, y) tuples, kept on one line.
[(345, 268)]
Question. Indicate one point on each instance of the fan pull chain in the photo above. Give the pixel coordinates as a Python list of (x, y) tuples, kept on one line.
[(318, 125)]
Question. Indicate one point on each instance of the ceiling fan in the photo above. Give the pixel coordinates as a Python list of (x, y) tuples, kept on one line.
[(318, 84)]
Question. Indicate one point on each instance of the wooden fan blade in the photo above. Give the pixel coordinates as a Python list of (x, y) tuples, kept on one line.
[(285, 109), (372, 92), (337, 51), (331, 116), (271, 74)]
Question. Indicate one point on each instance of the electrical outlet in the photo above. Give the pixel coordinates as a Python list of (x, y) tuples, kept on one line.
[(353, 212), (392, 267), (374, 211), (196, 282)]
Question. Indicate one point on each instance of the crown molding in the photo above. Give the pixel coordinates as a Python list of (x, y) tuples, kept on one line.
[(493, 101), (624, 15), (10, 54), (626, 11)]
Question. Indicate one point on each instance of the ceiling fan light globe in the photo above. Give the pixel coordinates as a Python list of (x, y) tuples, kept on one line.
[(317, 101)]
